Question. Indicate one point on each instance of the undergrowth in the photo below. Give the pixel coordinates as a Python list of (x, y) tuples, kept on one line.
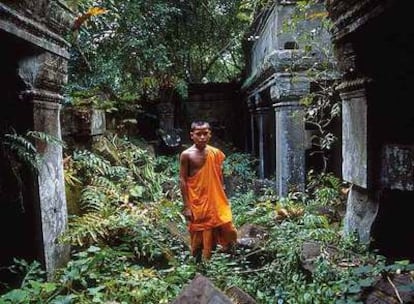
[(130, 245)]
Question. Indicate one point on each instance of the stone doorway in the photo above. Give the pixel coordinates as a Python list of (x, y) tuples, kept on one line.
[(20, 228), (32, 204)]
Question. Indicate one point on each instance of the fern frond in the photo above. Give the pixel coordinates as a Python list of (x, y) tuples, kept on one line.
[(109, 188), (118, 172), (46, 138), (85, 229), (90, 162), (23, 150), (92, 199)]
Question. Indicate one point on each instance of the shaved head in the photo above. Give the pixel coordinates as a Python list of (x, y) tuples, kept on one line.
[(200, 123)]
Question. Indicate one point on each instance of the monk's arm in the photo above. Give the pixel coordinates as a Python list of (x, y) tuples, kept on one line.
[(184, 159)]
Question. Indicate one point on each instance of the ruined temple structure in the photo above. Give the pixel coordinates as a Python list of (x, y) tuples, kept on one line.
[(374, 43), (219, 104), (277, 79), (33, 61)]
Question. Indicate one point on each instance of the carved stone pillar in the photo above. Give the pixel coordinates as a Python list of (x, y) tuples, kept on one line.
[(361, 206), (290, 131), (290, 147), (251, 107), (52, 199), (262, 114), (34, 55), (44, 75)]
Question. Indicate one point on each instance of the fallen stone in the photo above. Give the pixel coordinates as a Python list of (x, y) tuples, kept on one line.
[(201, 290), (239, 296)]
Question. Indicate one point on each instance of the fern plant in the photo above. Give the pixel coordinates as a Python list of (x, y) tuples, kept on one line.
[(18, 149), (17, 154), (115, 174), (21, 148)]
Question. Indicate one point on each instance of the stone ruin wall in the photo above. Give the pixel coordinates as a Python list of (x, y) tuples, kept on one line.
[(31, 34)]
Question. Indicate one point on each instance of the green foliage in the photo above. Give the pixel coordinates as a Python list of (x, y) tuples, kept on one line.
[(21, 148), (33, 285), (240, 164), (140, 48), (20, 154), (238, 171), (117, 174), (325, 189), (136, 251)]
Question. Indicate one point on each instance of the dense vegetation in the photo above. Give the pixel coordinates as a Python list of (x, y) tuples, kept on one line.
[(133, 50), (129, 240), (127, 234)]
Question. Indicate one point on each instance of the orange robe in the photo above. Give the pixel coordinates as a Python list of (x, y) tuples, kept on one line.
[(209, 206)]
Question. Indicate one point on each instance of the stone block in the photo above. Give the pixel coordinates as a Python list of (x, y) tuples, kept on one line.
[(201, 290), (83, 122)]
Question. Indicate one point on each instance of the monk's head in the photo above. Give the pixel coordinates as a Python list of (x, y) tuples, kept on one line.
[(200, 133)]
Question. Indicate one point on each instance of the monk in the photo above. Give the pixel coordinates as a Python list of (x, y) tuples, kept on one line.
[(206, 207)]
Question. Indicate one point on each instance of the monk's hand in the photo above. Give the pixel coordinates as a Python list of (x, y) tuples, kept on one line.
[(187, 214)]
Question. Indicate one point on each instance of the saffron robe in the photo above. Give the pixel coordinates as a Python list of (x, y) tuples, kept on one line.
[(207, 199)]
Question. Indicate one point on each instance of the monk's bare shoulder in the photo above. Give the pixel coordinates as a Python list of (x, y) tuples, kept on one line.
[(189, 150), (186, 152)]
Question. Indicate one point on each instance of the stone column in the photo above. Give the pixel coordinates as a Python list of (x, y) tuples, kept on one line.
[(261, 121), (286, 93), (52, 198), (290, 147), (44, 75), (362, 208), (251, 108)]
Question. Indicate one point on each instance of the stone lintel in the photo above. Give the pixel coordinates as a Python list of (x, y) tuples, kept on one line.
[(14, 23), (262, 85), (348, 18)]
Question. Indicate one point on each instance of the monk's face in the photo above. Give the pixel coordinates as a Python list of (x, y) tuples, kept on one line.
[(201, 135)]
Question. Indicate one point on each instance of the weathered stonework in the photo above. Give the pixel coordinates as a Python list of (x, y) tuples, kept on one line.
[(277, 74), (375, 58), (35, 54), (290, 143), (398, 167), (83, 122), (354, 138), (52, 197), (200, 290), (27, 20), (217, 103)]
